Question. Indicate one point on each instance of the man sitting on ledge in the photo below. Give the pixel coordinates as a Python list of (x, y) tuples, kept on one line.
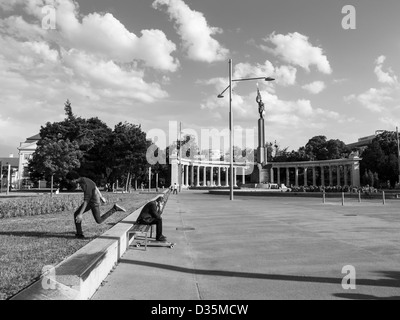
[(151, 214)]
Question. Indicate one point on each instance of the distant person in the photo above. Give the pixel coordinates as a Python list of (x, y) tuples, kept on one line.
[(175, 189), (91, 201), (151, 215)]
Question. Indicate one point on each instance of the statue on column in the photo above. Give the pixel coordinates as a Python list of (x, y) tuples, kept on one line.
[(261, 107)]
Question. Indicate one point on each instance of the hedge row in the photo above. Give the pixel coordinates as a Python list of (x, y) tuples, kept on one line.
[(45, 204)]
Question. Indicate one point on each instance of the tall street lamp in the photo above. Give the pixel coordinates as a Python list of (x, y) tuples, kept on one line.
[(231, 118)]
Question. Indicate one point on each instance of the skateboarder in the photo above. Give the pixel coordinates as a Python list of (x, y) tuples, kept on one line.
[(151, 214), (91, 201)]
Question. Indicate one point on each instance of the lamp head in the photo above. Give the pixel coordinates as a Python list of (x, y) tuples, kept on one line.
[(269, 79), (220, 96)]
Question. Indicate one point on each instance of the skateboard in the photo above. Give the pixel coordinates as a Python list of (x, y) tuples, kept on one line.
[(154, 243)]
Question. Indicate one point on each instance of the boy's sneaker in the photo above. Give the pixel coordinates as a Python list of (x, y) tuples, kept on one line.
[(162, 239), (119, 208)]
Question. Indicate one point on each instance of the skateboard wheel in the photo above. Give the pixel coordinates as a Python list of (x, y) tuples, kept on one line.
[(137, 245)]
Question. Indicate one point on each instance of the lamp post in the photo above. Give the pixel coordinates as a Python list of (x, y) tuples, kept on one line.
[(231, 118)]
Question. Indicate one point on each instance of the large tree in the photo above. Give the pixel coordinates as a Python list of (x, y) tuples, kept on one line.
[(319, 148), (128, 157), (381, 157)]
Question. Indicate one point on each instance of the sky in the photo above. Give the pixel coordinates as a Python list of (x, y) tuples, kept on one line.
[(162, 63)]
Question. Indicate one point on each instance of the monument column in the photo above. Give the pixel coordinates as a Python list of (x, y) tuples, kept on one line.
[(261, 151)]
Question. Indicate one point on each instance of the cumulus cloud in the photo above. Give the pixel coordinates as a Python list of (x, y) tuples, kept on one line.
[(315, 87), (373, 99), (284, 75), (295, 48), (100, 34), (384, 77), (93, 60), (196, 34), (383, 100), (94, 56)]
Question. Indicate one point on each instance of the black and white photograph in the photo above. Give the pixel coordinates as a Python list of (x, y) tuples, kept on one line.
[(196, 156)]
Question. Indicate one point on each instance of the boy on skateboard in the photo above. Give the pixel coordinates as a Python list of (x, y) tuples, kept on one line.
[(151, 214), (91, 201)]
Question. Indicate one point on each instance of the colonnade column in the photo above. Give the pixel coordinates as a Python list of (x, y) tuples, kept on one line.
[(322, 177), (204, 176), (338, 175), (219, 176), (243, 175), (211, 176), (227, 177), (192, 175), (345, 175), (305, 176), (279, 175), (187, 175), (272, 175), (330, 176), (198, 177), (314, 176), (296, 176), (287, 177)]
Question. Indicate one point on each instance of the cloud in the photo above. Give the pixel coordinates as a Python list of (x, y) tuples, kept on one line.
[(93, 60), (98, 33), (296, 49), (384, 99), (284, 75), (194, 31), (315, 87), (373, 99), (384, 77)]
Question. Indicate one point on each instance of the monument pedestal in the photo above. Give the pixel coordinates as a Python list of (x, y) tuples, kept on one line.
[(261, 174)]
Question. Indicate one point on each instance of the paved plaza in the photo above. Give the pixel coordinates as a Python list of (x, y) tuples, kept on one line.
[(264, 248)]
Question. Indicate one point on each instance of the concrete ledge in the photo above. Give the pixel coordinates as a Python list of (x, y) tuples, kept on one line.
[(80, 275)]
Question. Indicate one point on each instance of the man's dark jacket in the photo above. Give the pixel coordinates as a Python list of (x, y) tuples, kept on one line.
[(149, 213)]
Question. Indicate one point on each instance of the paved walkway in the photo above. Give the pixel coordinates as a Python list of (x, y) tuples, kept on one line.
[(264, 248)]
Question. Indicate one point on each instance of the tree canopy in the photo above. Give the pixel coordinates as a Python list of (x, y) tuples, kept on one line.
[(91, 148)]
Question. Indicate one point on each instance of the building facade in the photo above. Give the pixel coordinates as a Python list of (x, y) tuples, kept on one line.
[(26, 150)]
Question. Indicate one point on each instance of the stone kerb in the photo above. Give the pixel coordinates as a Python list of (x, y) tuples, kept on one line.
[(80, 275)]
